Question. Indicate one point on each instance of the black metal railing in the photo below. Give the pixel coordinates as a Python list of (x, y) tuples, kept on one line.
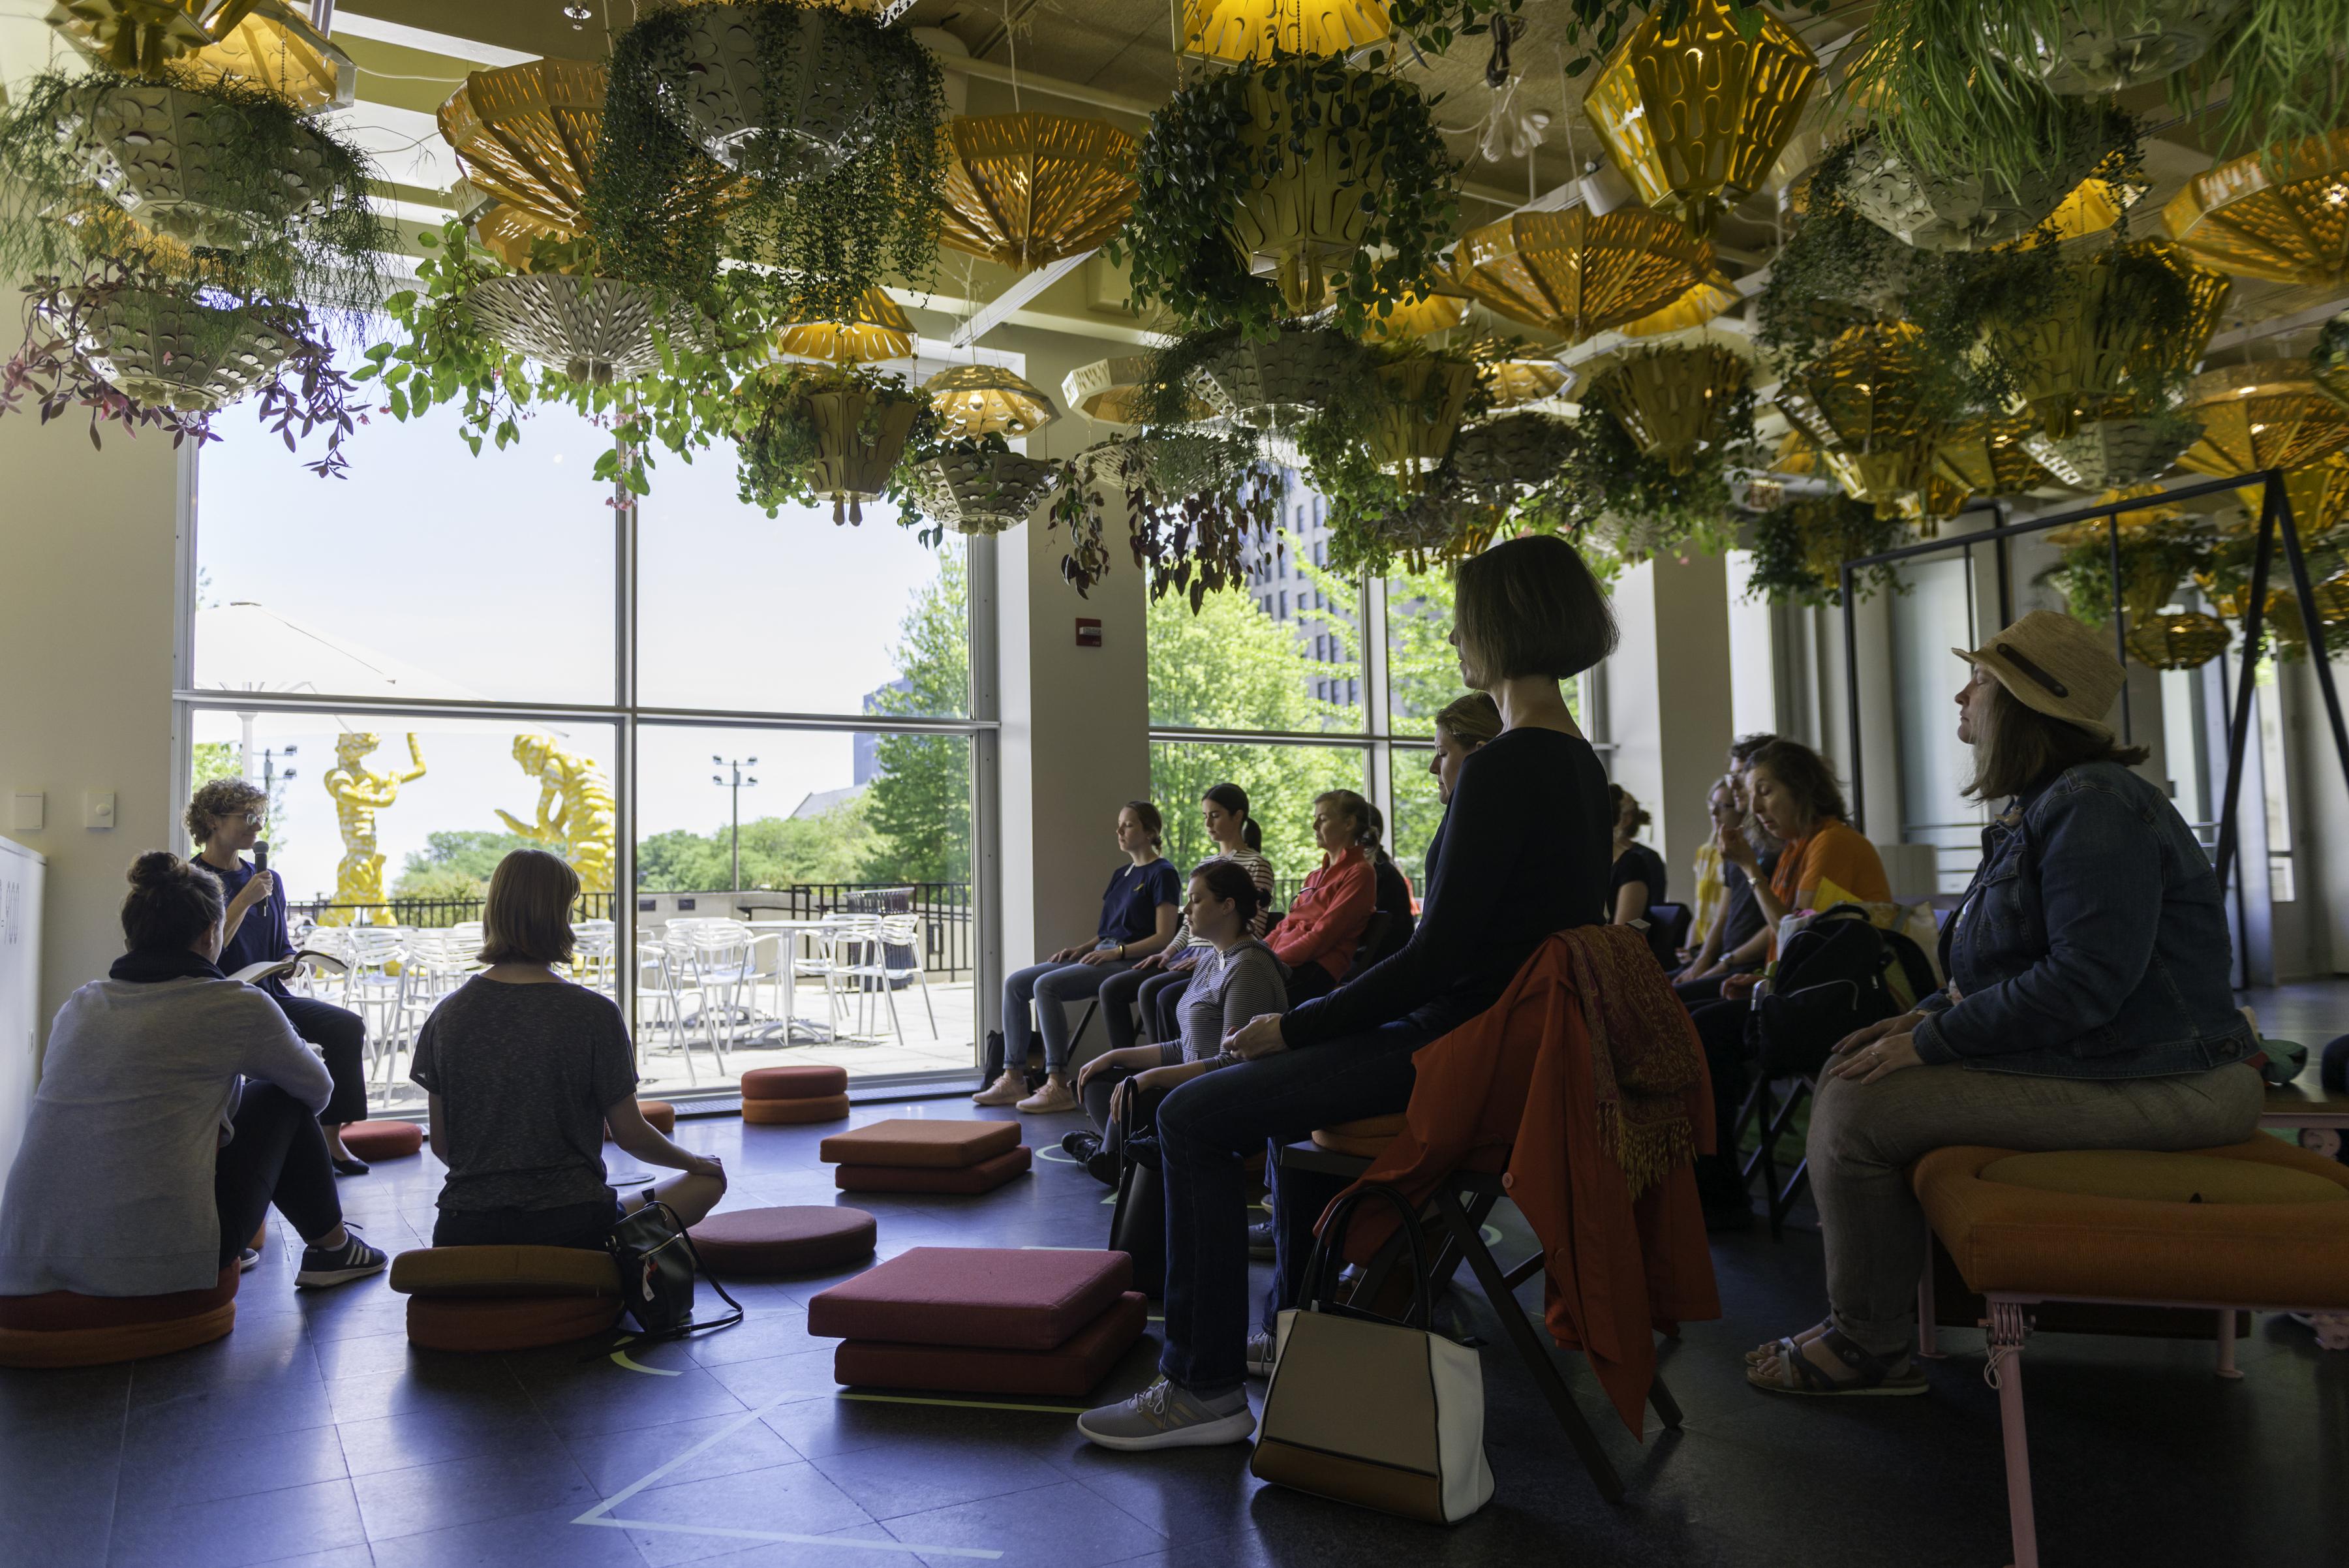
[(429, 913)]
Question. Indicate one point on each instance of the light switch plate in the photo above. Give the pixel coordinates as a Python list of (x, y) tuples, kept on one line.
[(97, 808), (25, 811)]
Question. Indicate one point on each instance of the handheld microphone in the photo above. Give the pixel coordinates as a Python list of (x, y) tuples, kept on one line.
[(261, 855)]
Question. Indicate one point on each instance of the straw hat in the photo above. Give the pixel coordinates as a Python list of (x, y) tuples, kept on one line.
[(2053, 665)]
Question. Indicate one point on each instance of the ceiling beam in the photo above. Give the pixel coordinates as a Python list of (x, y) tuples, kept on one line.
[(996, 311)]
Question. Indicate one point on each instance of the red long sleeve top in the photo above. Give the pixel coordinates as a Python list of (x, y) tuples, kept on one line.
[(1325, 921)]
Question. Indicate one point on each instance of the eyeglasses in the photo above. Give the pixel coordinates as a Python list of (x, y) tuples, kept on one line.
[(255, 818)]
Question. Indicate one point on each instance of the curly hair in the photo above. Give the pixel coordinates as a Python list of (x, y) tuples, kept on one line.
[(220, 798)]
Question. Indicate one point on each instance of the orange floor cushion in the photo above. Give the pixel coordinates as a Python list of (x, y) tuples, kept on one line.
[(935, 1144), (796, 1240), (962, 1180), (2261, 1224), (659, 1113), (1366, 1138), (505, 1298), (382, 1140), (811, 1081), (785, 1113), (475, 1323), (1000, 1298), (65, 1328)]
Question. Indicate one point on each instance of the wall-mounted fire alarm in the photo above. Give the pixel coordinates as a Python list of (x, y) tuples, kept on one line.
[(1088, 632)]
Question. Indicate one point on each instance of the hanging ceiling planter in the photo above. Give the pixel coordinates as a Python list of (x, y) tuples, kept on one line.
[(1960, 213), (2287, 224), (1239, 30), (1497, 460), (879, 330), (2270, 413), (162, 348), (1029, 190), (1991, 456), (1858, 400), (265, 42), (1577, 272), (1941, 499), (2106, 46), (2319, 493), (1418, 406), (1279, 384), (2183, 641), (594, 329), (1111, 392), (2098, 337), (859, 436), (161, 153), (1696, 115), (1673, 402), (982, 492), (975, 400), (2118, 447), (527, 136), (780, 93), (1303, 221), (1716, 294), (1513, 383)]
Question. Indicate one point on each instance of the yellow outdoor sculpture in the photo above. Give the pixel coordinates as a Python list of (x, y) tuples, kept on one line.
[(575, 809), (358, 795)]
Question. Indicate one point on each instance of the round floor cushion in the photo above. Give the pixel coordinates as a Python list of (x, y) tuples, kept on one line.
[(805, 1239), (2161, 1178), (808, 1082), (1366, 1140), (769, 1112), (659, 1113), (61, 1328), (382, 1140), (506, 1323)]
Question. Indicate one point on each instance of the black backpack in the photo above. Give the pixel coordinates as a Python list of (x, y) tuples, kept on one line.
[(1837, 974)]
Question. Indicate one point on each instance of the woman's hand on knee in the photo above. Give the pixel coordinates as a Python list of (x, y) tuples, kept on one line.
[(1859, 1038), (1259, 1036), (702, 1165), (1880, 1059)]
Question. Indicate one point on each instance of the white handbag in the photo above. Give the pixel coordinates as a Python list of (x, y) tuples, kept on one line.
[(1366, 1410)]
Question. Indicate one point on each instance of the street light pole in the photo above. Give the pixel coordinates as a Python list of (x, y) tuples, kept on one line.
[(735, 765)]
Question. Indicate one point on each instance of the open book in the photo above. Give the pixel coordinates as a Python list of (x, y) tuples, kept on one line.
[(254, 973)]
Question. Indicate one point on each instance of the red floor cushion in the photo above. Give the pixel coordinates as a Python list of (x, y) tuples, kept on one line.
[(807, 1082), (802, 1239), (962, 1181), (934, 1144), (659, 1113), (63, 1328), (505, 1298), (999, 1298), (769, 1113), (382, 1140), (506, 1323), (1075, 1368)]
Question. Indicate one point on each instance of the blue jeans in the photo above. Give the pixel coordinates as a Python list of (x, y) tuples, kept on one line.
[(1051, 986), (1206, 1128)]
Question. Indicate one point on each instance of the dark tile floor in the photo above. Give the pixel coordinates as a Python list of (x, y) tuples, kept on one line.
[(314, 1435)]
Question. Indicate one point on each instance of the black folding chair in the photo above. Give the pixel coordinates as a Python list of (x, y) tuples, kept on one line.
[(1461, 1204), (1772, 1117)]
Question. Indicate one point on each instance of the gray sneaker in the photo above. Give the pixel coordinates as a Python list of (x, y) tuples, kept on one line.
[(1163, 1416), (1263, 1354)]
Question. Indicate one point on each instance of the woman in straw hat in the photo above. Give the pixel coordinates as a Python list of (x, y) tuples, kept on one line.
[(2089, 1002)]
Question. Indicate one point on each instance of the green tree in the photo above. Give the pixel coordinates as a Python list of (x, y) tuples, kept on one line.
[(469, 852), (777, 852), (919, 803)]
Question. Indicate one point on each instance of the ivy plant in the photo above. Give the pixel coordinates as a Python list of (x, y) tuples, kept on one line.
[(775, 435), (1799, 550)]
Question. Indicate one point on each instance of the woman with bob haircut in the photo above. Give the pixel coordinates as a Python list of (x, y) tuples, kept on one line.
[(1525, 854), (525, 1070), (177, 1107), (2089, 1004)]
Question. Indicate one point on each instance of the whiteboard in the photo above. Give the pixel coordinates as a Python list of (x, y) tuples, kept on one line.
[(20, 990)]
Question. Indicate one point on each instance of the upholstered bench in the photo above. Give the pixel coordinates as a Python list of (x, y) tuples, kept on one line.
[(505, 1298), (983, 1320), (659, 1113), (382, 1140), (1365, 1139), (63, 1328), (2258, 1226), (907, 1153), (756, 1243), (787, 1096)]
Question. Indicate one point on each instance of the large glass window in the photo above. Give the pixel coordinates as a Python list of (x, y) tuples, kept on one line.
[(1281, 782), (431, 665)]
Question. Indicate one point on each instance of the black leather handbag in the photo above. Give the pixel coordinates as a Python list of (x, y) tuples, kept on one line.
[(1137, 1226), (657, 1263)]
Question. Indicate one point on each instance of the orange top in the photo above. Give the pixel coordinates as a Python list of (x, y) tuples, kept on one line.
[(1835, 864), (1325, 920)]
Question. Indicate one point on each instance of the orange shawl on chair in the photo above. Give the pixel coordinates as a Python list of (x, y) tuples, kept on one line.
[(1587, 1078)]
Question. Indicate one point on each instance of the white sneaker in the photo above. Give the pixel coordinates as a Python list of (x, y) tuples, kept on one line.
[(1263, 1354), (1053, 1096), (1004, 1091), (1165, 1416)]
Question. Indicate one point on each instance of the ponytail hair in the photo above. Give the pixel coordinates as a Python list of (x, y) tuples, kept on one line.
[(1234, 799), (1152, 823), (1227, 879), (1378, 843), (171, 903)]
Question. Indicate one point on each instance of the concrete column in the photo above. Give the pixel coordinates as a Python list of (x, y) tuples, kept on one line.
[(1669, 705)]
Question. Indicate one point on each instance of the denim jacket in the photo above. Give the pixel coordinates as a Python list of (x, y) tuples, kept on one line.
[(2091, 943)]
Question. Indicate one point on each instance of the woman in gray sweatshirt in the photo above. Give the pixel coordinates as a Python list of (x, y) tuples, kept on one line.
[(176, 1107)]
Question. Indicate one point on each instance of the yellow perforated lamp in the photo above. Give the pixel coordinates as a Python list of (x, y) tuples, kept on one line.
[(880, 330), (1254, 29), (2289, 223), (1859, 402), (1578, 272), (526, 135), (260, 41), (987, 400), (1672, 402), (2270, 413), (1027, 190)]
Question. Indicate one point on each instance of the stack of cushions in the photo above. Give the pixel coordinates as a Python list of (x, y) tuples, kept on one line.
[(382, 1140), (905, 1155), (757, 1243), (660, 1113), (61, 1328), (983, 1320), (505, 1298), (785, 1094), (1366, 1138)]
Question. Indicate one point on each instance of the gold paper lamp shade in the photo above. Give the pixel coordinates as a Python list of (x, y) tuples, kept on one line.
[(1577, 272), (1672, 402), (1108, 390), (1027, 190), (2094, 205), (1254, 29), (987, 400), (260, 41), (2319, 493), (2289, 224), (1512, 382), (2179, 642), (1986, 456), (1700, 305), (1697, 115), (1941, 499), (526, 135), (2267, 414), (509, 232), (2078, 354), (880, 331), (1859, 402), (1416, 316)]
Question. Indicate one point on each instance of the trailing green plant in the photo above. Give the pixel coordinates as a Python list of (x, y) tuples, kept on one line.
[(1799, 549), (1195, 497), (445, 357), (295, 187), (776, 435), (2287, 78), (1198, 164), (2155, 556), (671, 215), (1646, 508)]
